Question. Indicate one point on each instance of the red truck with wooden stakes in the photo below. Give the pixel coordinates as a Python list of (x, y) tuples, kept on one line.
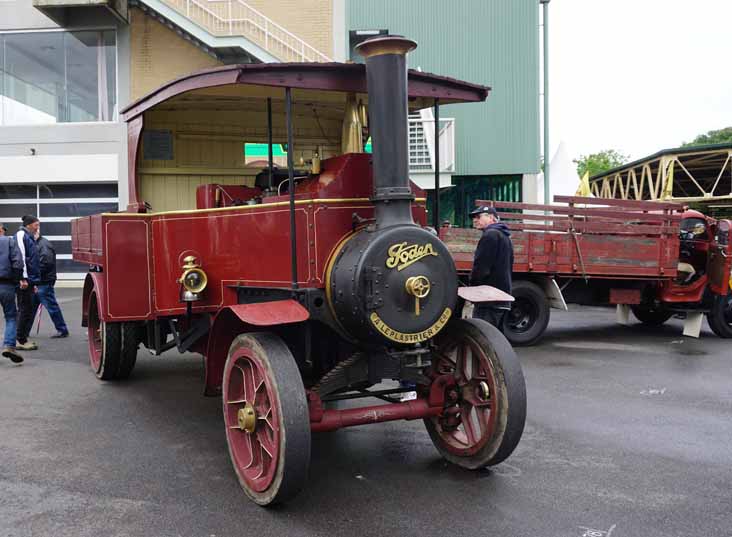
[(653, 259)]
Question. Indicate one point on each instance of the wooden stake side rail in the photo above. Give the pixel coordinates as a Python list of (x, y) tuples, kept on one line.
[(583, 224), (625, 204), (602, 212), (594, 228), (620, 240), (603, 255)]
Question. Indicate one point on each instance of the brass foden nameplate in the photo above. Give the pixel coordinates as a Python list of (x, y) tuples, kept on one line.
[(416, 337), (402, 255)]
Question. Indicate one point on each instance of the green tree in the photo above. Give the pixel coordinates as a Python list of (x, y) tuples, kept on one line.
[(720, 136), (600, 162)]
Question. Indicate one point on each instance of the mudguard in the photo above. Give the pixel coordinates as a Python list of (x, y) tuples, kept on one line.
[(232, 321), (94, 281), (271, 313)]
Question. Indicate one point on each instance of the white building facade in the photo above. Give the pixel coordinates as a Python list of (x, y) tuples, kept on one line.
[(61, 146)]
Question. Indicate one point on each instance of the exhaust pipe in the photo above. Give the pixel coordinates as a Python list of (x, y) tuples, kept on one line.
[(386, 77)]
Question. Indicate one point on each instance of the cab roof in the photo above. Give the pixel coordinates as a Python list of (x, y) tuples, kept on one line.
[(270, 79)]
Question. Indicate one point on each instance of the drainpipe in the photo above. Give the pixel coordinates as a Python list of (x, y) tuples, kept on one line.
[(547, 185)]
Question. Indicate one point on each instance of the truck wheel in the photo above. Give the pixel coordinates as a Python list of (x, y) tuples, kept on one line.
[(650, 315), (105, 343), (485, 422), (130, 343), (526, 323), (266, 417), (720, 316)]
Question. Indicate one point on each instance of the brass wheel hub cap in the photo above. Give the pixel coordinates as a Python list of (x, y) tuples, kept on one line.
[(484, 391), (247, 418)]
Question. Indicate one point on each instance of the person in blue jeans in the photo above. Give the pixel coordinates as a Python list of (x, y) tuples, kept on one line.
[(11, 271), (45, 293)]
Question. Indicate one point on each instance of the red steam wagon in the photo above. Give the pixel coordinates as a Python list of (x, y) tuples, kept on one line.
[(300, 285)]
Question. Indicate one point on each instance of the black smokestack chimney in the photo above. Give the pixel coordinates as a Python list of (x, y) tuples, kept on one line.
[(386, 76)]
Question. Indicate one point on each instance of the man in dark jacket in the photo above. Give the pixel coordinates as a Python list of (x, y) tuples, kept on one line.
[(492, 264), (46, 294), (31, 276), (11, 270)]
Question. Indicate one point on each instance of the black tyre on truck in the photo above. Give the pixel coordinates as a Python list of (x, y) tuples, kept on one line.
[(526, 323), (720, 316), (651, 315)]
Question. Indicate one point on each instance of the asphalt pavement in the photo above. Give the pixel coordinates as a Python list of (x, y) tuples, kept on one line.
[(629, 433)]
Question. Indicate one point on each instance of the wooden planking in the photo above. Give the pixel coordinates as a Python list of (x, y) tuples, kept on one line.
[(603, 255), (208, 142), (177, 192)]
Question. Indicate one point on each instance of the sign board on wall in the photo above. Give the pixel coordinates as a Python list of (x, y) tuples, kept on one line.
[(157, 145)]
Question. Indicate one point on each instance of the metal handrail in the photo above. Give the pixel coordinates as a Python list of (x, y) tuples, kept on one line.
[(236, 17)]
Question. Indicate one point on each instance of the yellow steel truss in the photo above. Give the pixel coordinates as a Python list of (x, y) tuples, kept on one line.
[(683, 175)]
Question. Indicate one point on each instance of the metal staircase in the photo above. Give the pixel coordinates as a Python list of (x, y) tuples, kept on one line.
[(223, 18)]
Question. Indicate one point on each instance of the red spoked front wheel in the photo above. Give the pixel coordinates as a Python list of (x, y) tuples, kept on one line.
[(266, 417), (484, 419)]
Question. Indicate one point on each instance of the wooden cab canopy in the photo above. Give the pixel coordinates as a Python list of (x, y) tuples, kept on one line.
[(194, 130)]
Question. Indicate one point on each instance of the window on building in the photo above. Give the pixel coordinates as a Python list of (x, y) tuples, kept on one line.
[(57, 204), (57, 77)]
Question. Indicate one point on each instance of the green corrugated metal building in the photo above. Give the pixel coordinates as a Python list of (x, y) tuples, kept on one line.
[(491, 42)]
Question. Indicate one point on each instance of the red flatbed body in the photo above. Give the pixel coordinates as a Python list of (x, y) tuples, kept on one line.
[(640, 240)]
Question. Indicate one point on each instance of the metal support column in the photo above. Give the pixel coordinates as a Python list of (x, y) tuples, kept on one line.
[(270, 157), (547, 184), (291, 186), (436, 201)]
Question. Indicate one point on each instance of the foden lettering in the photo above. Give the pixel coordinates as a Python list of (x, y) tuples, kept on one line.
[(401, 255)]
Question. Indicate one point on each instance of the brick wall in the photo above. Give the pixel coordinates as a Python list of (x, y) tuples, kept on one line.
[(158, 55), (310, 20)]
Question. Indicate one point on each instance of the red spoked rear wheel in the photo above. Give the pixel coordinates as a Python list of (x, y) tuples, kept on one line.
[(486, 411), (266, 418)]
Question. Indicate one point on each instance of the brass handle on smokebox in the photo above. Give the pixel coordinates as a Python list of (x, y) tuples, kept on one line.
[(418, 287)]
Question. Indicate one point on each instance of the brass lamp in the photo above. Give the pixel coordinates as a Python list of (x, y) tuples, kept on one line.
[(193, 280)]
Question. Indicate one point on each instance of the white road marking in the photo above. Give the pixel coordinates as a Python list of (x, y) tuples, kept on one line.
[(654, 391), (604, 346), (589, 532)]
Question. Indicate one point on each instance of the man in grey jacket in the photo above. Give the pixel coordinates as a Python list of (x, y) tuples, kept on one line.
[(11, 272)]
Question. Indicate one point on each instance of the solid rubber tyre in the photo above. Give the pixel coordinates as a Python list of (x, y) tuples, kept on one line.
[(105, 343), (526, 323), (500, 418), (130, 343), (271, 461), (650, 315), (720, 316)]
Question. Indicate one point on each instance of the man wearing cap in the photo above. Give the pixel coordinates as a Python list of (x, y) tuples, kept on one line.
[(31, 276), (11, 268), (492, 264)]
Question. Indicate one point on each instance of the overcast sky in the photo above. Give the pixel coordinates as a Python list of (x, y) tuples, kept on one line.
[(638, 75)]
